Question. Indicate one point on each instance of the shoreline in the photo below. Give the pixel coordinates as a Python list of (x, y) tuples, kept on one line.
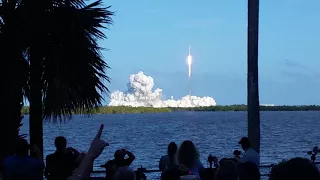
[(219, 108)]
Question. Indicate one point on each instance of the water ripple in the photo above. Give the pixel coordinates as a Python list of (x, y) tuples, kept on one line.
[(283, 134)]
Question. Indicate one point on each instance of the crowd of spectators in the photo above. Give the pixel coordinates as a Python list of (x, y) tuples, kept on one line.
[(180, 162)]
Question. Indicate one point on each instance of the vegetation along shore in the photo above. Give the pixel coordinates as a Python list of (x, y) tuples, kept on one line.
[(129, 110)]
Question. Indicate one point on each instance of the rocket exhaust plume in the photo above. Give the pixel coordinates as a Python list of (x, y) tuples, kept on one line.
[(140, 92), (189, 62)]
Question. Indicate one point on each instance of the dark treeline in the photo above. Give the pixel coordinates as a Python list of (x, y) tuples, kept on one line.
[(244, 108), (130, 110)]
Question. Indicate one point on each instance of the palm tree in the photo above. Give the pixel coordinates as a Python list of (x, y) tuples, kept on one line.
[(55, 60), (13, 73), (253, 86), (66, 66)]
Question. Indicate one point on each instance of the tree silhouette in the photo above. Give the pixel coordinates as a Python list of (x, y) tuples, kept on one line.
[(62, 68), (253, 75), (13, 74)]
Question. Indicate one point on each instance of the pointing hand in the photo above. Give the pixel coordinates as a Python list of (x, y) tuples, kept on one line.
[(97, 145)]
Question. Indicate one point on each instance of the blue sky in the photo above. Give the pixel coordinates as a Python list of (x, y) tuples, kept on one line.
[(153, 36)]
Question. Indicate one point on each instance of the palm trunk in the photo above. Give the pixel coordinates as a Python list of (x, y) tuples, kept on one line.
[(253, 86), (11, 104), (36, 12), (35, 126)]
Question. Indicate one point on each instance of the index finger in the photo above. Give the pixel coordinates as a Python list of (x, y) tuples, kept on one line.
[(99, 132)]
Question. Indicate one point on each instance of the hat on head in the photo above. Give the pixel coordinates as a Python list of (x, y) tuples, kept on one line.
[(244, 140)]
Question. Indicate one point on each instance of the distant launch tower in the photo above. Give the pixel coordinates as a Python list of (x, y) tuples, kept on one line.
[(189, 62)]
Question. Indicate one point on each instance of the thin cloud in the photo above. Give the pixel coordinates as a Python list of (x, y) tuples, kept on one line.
[(297, 75), (294, 64)]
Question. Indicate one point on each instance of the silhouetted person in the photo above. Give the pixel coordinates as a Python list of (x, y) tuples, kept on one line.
[(125, 173), (174, 173), (118, 161), (249, 171), (250, 155), (21, 165), (169, 160), (61, 164), (295, 169), (227, 170), (189, 157)]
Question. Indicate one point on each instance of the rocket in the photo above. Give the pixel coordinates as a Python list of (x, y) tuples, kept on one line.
[(189, 61)]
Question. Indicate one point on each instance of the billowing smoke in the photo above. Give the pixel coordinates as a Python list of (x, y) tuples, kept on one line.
[(140, 93)]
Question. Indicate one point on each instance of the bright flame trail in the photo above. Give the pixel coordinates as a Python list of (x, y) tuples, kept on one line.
[(189, 61)]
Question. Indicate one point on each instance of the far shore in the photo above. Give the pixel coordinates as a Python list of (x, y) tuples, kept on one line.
[(131, 110)]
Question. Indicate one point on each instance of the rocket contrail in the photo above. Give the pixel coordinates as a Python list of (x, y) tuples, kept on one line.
[(189, 61)]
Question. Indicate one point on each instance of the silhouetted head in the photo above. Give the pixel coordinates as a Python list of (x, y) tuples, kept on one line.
[(295, 169), (119, 155), (22, 147), (188, 154), (245, 143), (227, 171), (172, 149), (249, 171), (60, 143)]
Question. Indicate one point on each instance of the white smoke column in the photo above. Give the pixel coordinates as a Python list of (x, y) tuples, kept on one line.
[(189, 61), (140, 93)]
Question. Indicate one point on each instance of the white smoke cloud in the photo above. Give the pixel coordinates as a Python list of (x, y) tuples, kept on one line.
[(140, 93)]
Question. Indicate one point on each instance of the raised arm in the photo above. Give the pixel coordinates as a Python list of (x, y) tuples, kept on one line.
[(85, 168), (130, 158)]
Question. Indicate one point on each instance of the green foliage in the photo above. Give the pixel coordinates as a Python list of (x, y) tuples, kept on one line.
[(262, 108), (127, 110), (132, 110)]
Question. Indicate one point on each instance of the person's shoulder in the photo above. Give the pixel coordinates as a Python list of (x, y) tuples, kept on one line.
[(164, 157), (110, 162), (252, 151), (50, 156), (33, 160), (9, 159)]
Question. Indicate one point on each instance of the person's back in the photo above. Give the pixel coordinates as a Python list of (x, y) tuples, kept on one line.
[(250, 154), (62, 163), (227, 171), (125, 173), (119, 161), (169, 160), (295, 169), (111, 168), (189, 157), (249, 171), (174, 173), (21, 165)]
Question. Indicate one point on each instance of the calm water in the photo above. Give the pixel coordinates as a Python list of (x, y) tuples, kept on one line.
[(283, 134)]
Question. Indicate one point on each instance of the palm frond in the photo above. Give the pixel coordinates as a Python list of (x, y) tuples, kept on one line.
[(74, 69)]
